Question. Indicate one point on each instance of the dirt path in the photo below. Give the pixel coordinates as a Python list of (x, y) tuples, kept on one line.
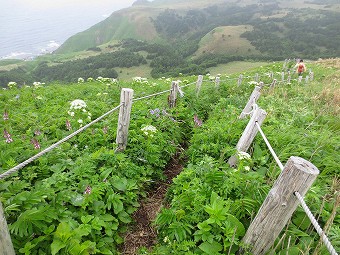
[(143, 233)]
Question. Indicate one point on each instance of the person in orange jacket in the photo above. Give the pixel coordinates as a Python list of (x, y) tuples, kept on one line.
[(300, 67)]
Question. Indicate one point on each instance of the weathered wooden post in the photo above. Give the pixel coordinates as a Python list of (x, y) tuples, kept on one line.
[(256, 77), (251, 130), (283, 76), (6, 246), (272, 85), (173, 94), (199, 84), (289, 77), (239, 82), (271, 75), (279, 205), (249, 134), (252, 100), (124, 118), (217, 82)]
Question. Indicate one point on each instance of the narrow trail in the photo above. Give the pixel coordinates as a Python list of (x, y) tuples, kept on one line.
[(143, 234)]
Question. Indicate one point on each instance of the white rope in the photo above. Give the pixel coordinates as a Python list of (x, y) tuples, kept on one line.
[(316, 225), (156, 94), (269, 146), (26, 162)]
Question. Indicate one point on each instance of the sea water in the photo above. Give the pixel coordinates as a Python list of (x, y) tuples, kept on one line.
[(27, 30)]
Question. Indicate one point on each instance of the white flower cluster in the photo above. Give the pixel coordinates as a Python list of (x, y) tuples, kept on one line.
[(140, 80), (253, 83), (37, 84), (78, 104), (78, 107), (149, 130), (243, 155), (81, 80), (12, 84)]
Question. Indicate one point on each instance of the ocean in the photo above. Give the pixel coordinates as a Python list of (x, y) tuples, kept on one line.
[(29, 30)]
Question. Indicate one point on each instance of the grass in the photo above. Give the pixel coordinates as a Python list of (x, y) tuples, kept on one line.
[(226, 40), (235, 67)]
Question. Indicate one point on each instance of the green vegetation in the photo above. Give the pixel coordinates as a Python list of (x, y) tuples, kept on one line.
[(80, 197)]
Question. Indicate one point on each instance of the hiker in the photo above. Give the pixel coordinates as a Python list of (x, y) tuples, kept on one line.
[(300, 67)]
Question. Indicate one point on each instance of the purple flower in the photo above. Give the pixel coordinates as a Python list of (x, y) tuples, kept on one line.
[(7, 136), (197, 121), (35, 143), (5, 116), (37, 132), (68, 125), (152, 112), (88, 190)]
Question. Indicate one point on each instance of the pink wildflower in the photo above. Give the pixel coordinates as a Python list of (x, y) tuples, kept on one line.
[(197, 121), (68, 125), (88, 190), (37, 132), (5, 116), (7, 136), (35, 143)]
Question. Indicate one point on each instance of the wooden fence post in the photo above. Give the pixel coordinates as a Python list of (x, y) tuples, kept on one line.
[(252, 99), (289, 77), (173, 94), (249, 134), (6, 246), (251, 130), (283, 76), (199, 84), (124, 118), (256, 77), (217, 82), (279, 205), (271, 75), (272, 86), (239, 82)]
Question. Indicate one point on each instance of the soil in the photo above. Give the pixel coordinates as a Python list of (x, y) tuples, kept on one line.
[(143, 233)]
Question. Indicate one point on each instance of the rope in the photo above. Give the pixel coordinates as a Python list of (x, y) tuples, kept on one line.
[(26, 162), (152, 95), (316, 225), (269, 146)]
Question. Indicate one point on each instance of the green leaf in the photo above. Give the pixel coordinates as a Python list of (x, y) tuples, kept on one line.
[(119, 183), (86, 219), (211, 248), (56, 246), (124, 217)]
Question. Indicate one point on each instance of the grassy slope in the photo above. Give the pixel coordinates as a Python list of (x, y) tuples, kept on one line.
[(226, 40)]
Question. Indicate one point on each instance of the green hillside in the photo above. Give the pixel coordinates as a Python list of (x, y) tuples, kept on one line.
[(171, 191)]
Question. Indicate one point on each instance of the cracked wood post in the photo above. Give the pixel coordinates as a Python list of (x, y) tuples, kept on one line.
[(199, 84), (298, 175), (249, 134), (252, 99), (173, 95), (256, 77), (124, 118), (6, 246)]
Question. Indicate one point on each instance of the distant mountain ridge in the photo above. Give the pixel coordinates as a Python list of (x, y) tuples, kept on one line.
[(271, 22)]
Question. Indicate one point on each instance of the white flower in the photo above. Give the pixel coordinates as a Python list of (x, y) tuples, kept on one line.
[(38, 97), (149, 130), (77, 104), (80, 80), (70, 113), (89, 79), (243, 155), (247, 168), (12, 84), (80, 121)]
